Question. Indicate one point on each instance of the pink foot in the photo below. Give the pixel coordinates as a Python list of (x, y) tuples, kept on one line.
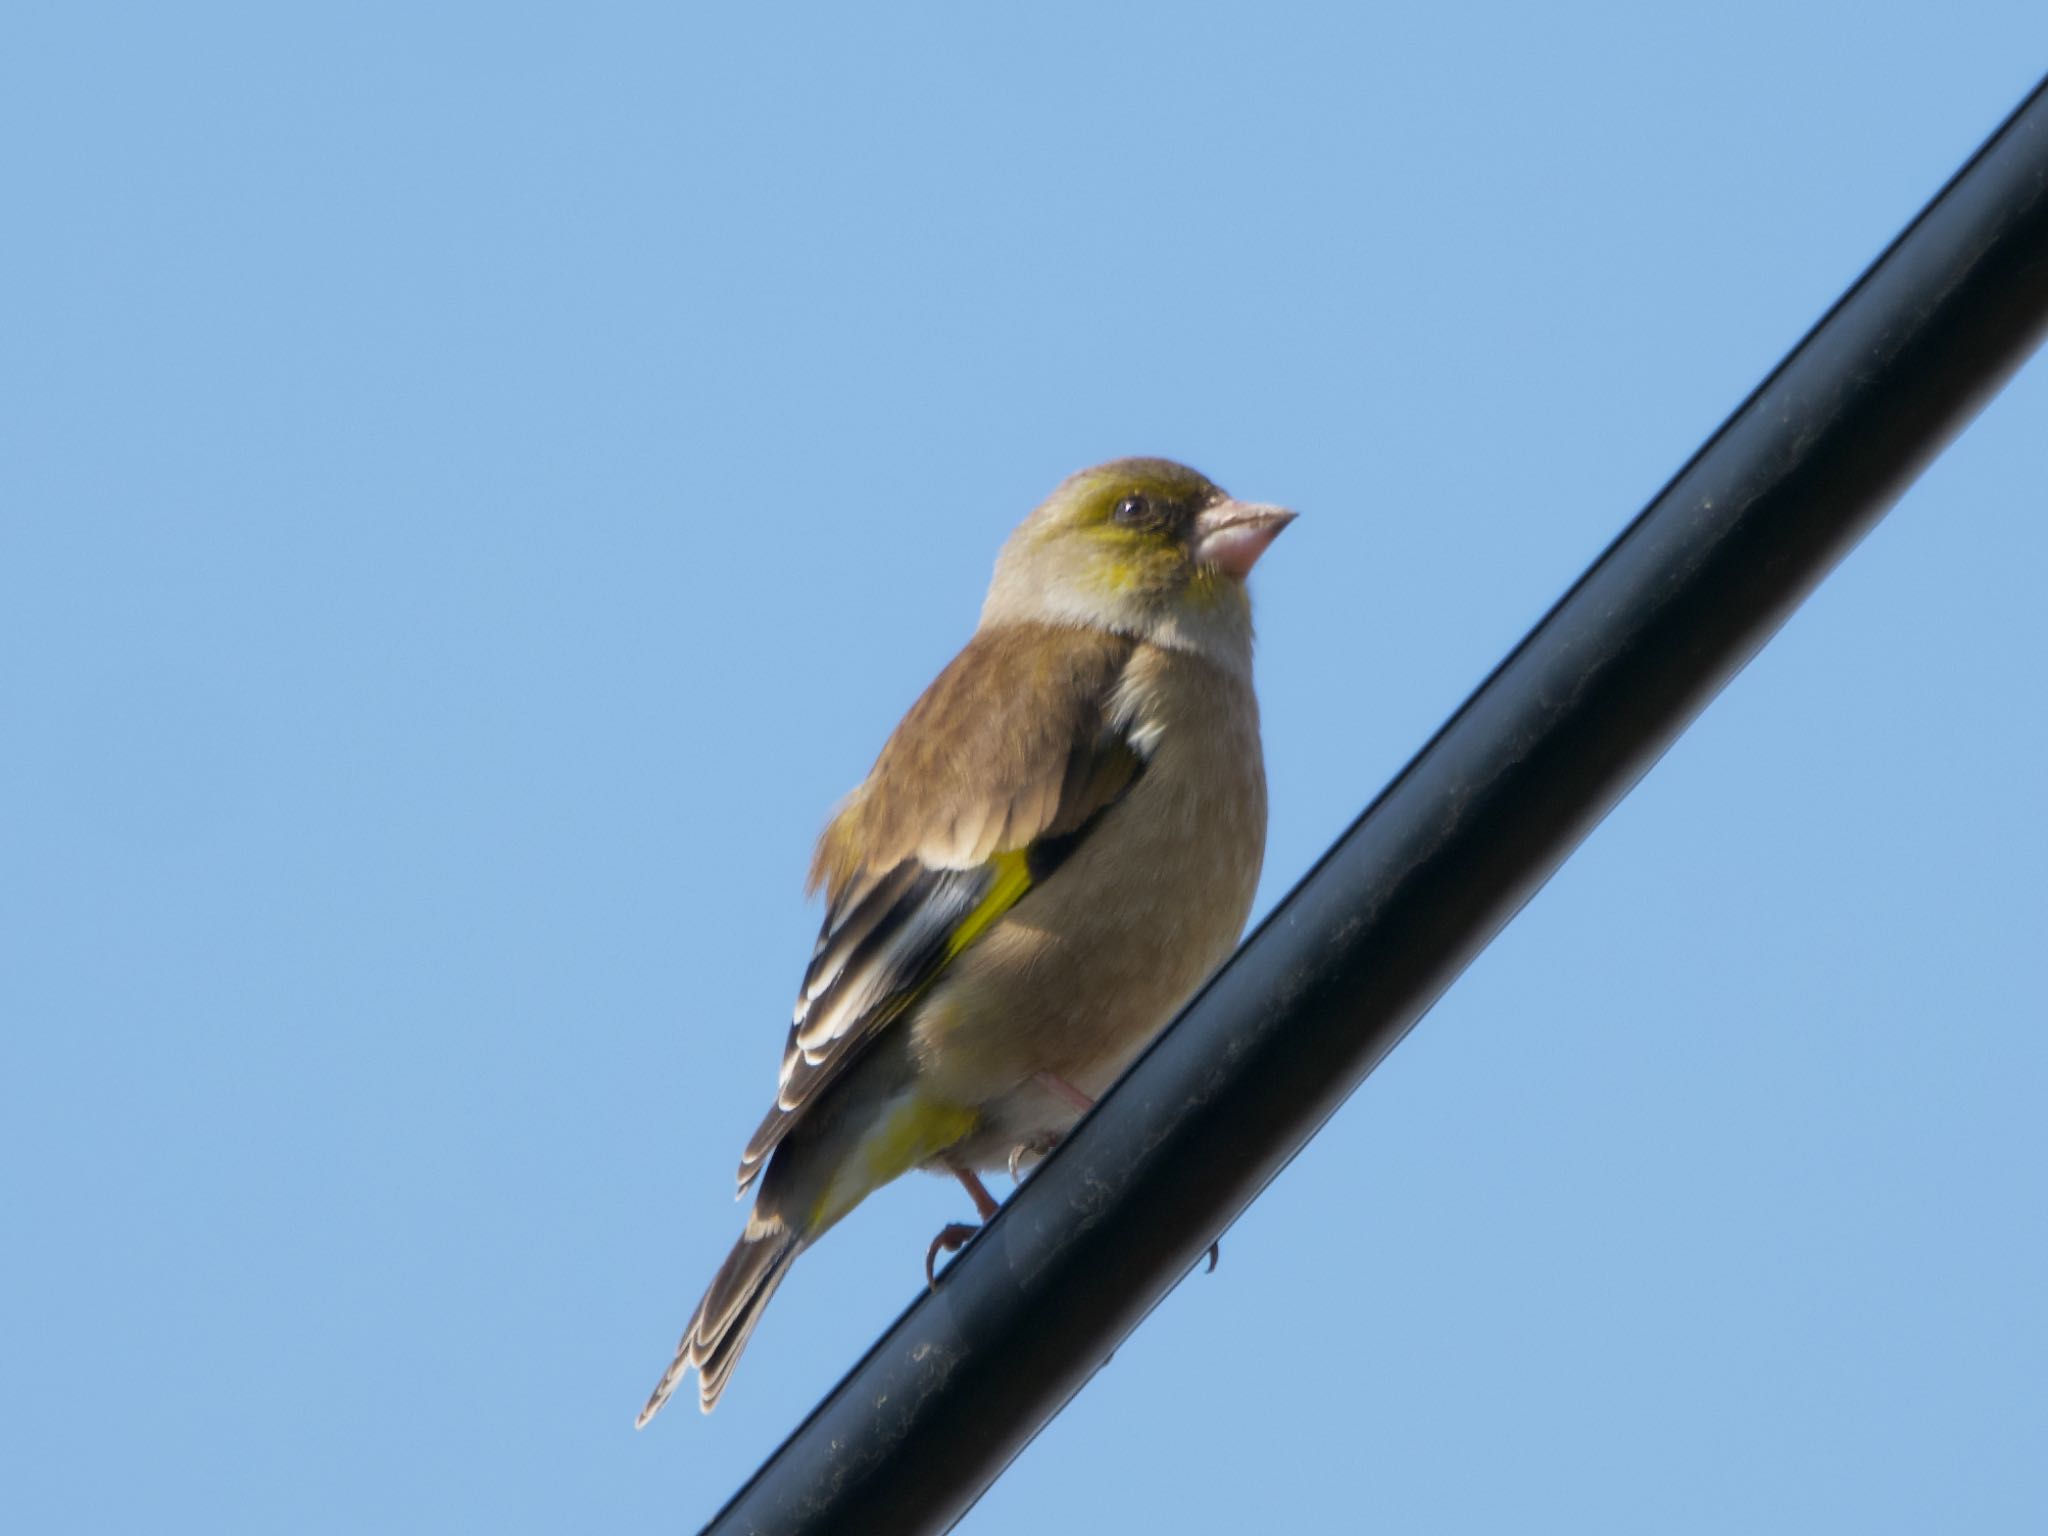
[(951, 1239)]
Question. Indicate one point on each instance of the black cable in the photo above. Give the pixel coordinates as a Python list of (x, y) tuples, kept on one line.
[(1432, 870)]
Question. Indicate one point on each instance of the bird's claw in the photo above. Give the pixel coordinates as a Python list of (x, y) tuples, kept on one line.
[(1037, 1146), (1215, 1255), (952, 1237)]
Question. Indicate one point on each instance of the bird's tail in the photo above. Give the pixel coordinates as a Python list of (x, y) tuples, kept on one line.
[(725, 1318)]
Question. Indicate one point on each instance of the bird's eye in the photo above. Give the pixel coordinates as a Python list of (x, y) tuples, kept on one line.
[(1133, 511)]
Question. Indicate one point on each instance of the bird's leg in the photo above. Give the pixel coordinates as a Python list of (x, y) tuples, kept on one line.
[(955, 1235), (1074, 1096), (985, 1204), (1066, 1090)]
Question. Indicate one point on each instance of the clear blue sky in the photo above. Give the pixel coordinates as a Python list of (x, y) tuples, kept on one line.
[(476, 486)]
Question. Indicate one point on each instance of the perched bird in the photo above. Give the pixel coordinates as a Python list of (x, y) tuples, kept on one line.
[(1056, 846)]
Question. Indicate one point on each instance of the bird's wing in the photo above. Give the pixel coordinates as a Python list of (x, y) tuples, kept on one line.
[(994, 776)]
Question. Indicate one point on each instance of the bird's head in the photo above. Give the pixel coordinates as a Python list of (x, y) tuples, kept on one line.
[(1146, 547)]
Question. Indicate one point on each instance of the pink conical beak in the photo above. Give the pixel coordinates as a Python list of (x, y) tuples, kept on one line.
[(1233, 534)]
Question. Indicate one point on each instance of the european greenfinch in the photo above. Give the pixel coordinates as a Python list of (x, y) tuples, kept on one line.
[(1056, 847)]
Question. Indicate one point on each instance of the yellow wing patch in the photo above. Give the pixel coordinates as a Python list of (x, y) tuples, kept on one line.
[(1013, 879)]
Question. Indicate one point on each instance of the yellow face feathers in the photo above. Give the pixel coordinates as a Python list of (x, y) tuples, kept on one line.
[(1141, 547), (1134, 522)]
